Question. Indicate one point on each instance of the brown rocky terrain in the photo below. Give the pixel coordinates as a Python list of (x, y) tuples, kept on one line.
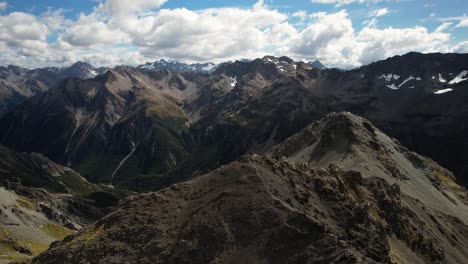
[(337, 192)]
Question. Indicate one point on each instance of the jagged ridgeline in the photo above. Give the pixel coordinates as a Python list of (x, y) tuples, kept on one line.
[(147, 127), (339, 191)]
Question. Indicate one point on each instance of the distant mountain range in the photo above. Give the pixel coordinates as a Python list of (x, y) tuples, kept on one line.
[(179, 67), (143, 128), (18, 84), (200, 67)]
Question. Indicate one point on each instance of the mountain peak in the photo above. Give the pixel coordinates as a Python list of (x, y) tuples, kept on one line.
[(81, 64), (355, 143), (317, 64)]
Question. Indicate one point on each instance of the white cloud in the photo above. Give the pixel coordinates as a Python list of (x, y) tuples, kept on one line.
[(382, 43), (89, 30), (210, 34), (3, 6), (117, 32), (462, 23), (462, 20), (301, 14), (332, 39), (372, 22), (328, 37), (443, 27), (346, 2), (121, 8), (18, 27), (379, 12), (55, 20)]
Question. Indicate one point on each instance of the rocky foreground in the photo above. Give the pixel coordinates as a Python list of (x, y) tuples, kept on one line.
[(301, 203)]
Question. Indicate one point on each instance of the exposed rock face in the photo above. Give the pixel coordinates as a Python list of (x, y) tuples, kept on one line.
[(354, 143), (262, 210), (295, 205)]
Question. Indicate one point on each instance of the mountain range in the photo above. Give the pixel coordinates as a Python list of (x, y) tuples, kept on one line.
[(146, 129), (254, 161), (18, 84)]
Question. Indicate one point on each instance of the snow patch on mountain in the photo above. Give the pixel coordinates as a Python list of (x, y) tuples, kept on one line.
[(443, 91), (407, 80), (459, 78), (233, 82), (209, 67), (441, 79), (389, 77)]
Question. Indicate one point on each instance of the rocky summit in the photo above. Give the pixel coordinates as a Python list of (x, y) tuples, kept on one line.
[(300, 203)]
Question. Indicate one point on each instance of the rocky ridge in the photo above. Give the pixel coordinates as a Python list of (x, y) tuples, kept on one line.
[(287, 207)]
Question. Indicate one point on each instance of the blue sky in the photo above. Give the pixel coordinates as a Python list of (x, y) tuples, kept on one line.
[(344, 33)]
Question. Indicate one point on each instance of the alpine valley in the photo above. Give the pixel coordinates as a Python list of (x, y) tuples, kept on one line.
[(254, 161)]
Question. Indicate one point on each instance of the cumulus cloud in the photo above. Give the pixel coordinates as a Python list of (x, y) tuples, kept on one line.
[(332, 39), (328, 37), (127, 7), (54, 19), (212, 33), (89, 30), (379, 44), (18, 27)]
